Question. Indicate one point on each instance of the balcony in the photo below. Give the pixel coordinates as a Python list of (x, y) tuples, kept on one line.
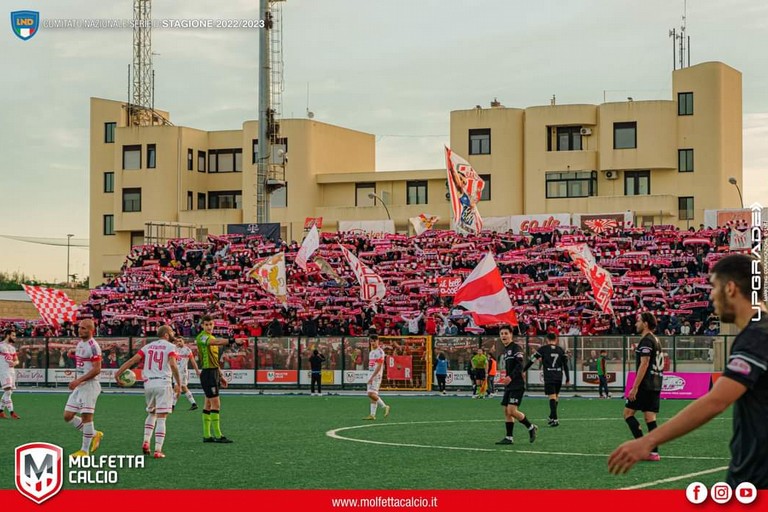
[(570, 160)]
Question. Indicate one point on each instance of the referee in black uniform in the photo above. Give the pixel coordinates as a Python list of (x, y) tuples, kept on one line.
[(744, 382)]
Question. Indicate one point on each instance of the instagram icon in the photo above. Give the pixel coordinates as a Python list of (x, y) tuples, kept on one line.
[(721, 492)]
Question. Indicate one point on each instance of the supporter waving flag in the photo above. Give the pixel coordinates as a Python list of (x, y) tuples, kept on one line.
[(270, 273), (308, 246), (423, 222), (465, 187), (372, 288), (54, 306), (598, 277), (484, 295)]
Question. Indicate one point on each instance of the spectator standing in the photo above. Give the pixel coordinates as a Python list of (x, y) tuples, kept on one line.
[(441, 372), (602, 375), (315, 363)]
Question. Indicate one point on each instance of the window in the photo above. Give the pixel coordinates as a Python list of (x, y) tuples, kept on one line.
[(571, 184), (685, 208), (132, 157), (109, 132), (225, 200), (485, 195), (279, 197), (416, 192), (637, 183), (109, 225), (361, 194), (480, 141), (569, 138), (131, 199), (279, 150), (201, 161), (109, 182), (685, 160), (190, 200), (151, 156), (624, 135), (685, 103), (190, 159), (201, 200), (137, 238), (225, 160)]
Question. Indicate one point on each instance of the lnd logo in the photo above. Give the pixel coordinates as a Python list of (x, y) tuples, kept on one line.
[(39, 470)]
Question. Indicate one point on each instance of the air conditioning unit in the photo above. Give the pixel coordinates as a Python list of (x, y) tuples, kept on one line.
[(586, 131), (611, 175)]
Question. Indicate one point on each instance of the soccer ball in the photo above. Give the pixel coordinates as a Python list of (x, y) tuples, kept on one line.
[(128, 378)]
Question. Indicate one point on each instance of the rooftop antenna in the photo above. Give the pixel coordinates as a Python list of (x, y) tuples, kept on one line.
[(310, 114), (682, 40)]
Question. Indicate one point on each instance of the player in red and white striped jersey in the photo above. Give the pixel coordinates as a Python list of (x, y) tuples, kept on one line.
[(184, 356), (376, 367), (8, 360), (159, 367)]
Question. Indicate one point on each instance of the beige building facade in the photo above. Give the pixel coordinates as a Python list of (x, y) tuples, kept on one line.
[(665, 160)]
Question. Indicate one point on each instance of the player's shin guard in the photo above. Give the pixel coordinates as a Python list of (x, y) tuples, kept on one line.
[(552, 409), (215, 424), (525, 422), (149, 427), (159, 434), (88, 432), (76, 422), (652, 426), (510, 425), (206, 424), (380, 402), (7, 403), (373, 408), (634, 427), (190, 397)]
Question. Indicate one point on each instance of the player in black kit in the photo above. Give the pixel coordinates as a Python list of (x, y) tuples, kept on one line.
[(554, 362), (514, 387), (744, 382)]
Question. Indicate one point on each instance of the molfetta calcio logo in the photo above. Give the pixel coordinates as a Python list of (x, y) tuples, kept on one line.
[(25, 24), (39, 470)]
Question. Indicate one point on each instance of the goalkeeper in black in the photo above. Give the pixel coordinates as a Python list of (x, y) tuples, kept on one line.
[(554, 362), (512, 359)]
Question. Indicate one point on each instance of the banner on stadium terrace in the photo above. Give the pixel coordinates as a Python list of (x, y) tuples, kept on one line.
[(372, 287), (399, 368), (599, 223), (270, 230), (424, 222), (465, 187), (372, 227), (526, 223), (310, 222), (598, 277), (739, 240), (270, 274), (308, 246), (447, 286)]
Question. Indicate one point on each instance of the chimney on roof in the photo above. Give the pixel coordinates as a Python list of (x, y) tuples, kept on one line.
[(496, 103)]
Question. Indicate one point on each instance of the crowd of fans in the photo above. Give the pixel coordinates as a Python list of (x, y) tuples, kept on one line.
[(661, 269)]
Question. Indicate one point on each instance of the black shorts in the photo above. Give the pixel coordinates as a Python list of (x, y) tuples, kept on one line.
[(552, 388), (479, 373), (210, 379), (512, 397), (646, 401)]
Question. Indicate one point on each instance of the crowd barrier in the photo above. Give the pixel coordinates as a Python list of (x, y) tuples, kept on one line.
[(283, 363)]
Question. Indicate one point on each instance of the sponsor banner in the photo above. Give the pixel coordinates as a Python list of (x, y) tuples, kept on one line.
[(277, 377), (368, 226), (730, 216), (356, 376), (590, 378), (327, 377), (312, 221), (681, 385), (524, 223), (602, 222), (35, 375), (457, 378), (233, 376), (270, 231), (448, 285)]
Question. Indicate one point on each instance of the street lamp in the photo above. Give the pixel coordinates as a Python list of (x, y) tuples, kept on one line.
[(69, 237), (371, 195), (735, 183)]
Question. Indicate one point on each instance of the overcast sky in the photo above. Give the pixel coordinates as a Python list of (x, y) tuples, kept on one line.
[(393, 68)]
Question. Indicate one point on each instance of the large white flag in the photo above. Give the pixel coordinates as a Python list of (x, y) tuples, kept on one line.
[(308, 246), (484, 295), (465, 187), (270, 273), (740, 240), (424, 222), (598, 277), (372, 287)]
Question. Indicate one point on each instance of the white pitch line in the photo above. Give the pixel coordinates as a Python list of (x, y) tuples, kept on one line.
[(334, 435), (673, 479)]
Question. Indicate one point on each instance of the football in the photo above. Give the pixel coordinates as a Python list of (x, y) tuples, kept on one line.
[(128, 378)]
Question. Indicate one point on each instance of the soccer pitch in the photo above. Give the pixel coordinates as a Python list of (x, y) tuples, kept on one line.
[(428, 442)]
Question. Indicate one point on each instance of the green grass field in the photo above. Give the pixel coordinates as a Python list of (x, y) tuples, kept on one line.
[(282, 442)]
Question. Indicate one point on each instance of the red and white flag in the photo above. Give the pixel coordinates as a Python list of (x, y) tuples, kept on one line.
[(598, 277), (465, 187), (372, 288), (54, 306), (484, 295), (308, 246), (424, 222)]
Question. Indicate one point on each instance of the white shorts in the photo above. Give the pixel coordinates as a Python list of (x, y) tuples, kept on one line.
[(159, 399), (374, 386), (83, 398), (8, 379), (184, 374)]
